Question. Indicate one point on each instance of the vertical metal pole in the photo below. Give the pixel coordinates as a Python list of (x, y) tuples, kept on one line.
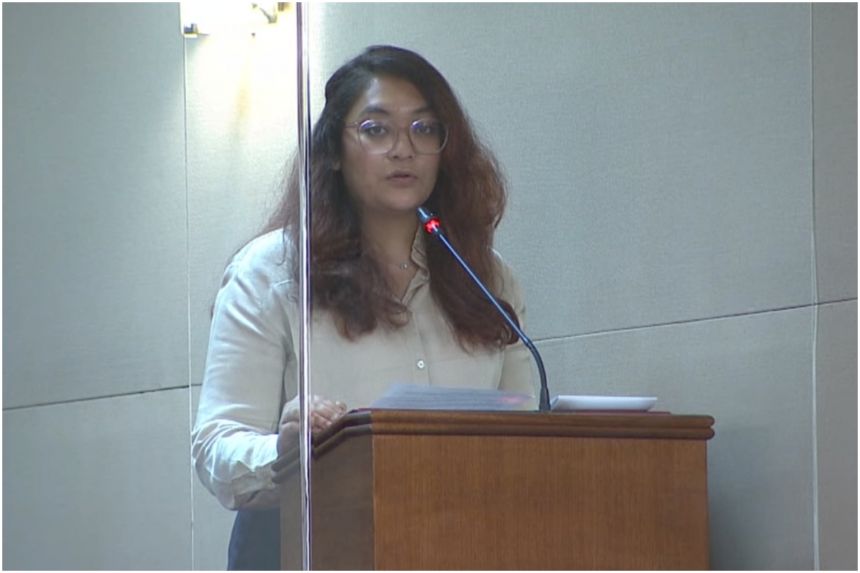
[(304, 157)]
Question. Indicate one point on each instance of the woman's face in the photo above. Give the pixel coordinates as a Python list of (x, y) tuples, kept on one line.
[(399, 180)]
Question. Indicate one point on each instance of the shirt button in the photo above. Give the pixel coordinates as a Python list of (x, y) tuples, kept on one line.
[(420, 365)]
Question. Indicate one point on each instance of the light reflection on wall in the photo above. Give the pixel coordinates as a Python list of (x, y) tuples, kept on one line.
[(241, 131), (239, 70)]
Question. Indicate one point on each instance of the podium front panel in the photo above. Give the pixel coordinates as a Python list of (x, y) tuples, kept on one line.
[(478, 490)]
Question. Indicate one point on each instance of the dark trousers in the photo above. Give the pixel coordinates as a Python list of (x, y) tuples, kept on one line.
[(255, 542)]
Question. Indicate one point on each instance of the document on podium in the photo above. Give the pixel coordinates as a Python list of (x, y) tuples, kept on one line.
[(415, 397)]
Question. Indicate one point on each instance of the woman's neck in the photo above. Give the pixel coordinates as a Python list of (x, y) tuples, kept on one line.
[(389, 238)]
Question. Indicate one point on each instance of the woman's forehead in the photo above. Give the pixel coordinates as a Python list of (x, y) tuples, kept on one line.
[(386, 95)]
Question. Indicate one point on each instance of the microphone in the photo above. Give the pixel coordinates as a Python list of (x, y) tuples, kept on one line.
[(432, 226)]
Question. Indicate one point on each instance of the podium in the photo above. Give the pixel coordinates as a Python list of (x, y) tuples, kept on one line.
[(408, 489)]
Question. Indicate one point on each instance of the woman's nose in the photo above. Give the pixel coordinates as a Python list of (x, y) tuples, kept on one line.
[(402, 148)]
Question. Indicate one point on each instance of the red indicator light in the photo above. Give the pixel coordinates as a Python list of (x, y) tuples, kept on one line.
[(432, 226)]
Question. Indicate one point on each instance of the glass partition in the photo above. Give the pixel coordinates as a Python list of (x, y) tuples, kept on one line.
[(241, 66), (633, 142)]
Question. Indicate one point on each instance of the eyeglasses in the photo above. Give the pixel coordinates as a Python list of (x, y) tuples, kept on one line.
[(379, 136)]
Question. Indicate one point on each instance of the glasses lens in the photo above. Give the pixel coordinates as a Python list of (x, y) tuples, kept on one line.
[(379, 136), (376, 136), (428, 136)]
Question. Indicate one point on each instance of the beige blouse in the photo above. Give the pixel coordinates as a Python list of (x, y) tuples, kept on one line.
[(251, 367)]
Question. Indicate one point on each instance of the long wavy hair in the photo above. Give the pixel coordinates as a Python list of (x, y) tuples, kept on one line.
[(469, 197)]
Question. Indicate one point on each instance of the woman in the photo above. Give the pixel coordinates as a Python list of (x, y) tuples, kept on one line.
[(388, 305)]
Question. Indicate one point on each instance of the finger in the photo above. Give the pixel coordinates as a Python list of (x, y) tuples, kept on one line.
[(290, 431), (328, 411), (319, 422), (291, 410), (292, 417)]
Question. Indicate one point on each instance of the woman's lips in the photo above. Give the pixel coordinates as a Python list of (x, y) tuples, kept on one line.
[(402, 177)]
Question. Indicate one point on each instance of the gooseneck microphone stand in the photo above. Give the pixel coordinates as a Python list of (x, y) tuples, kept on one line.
[(433, 227)]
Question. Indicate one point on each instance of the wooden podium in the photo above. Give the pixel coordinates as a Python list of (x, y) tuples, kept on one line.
[(398, 489)]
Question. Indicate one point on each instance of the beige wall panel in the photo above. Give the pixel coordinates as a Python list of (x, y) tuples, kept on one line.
[(834, 63), (98, 484), (94, 283), (836, 407), (753, 374)]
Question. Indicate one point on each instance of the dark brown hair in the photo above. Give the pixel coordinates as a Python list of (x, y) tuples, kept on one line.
[(469, 197)]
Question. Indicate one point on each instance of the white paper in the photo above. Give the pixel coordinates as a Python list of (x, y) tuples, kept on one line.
[(414, 397), (627, 403)]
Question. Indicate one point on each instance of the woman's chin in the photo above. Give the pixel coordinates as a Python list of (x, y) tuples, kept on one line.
[(404, 203)]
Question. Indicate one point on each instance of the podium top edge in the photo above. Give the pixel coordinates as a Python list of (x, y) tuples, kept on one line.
[(528, 418), (656, 425), (632, 425)]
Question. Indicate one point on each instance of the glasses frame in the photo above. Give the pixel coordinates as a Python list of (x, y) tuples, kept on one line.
[(357, 124)]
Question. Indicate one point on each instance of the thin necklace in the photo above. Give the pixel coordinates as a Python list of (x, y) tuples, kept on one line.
[(402, 265)]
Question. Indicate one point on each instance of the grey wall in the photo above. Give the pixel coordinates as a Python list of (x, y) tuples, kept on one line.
[(683, 218), (95, 301)]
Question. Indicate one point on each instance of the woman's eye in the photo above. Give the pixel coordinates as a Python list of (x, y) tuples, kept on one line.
[(373, 129), (428, 128)]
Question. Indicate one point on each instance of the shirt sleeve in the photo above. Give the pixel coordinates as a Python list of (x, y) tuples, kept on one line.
[(234, 440), (517, 372)]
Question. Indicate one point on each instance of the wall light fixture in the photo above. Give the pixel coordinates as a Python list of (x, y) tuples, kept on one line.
[(208, 17)]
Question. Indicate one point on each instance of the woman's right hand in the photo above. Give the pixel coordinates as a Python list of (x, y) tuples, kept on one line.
[(324, 413)]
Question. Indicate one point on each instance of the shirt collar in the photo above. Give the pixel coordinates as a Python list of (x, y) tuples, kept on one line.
[(419, 251), (422, 275)]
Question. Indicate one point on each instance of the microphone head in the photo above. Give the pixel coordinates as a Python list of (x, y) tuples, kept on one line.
[(429, 221)]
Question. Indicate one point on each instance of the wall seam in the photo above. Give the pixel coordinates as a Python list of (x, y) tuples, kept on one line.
[(547, 340), (625, 329), (92, 398)]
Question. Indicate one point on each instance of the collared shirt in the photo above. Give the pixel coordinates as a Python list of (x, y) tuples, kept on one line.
[(251, 367)]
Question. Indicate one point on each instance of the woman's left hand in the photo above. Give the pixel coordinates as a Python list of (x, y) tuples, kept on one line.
[(324, 413)]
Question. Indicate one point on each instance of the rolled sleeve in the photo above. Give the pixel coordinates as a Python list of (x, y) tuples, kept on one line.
[(234, 440)]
